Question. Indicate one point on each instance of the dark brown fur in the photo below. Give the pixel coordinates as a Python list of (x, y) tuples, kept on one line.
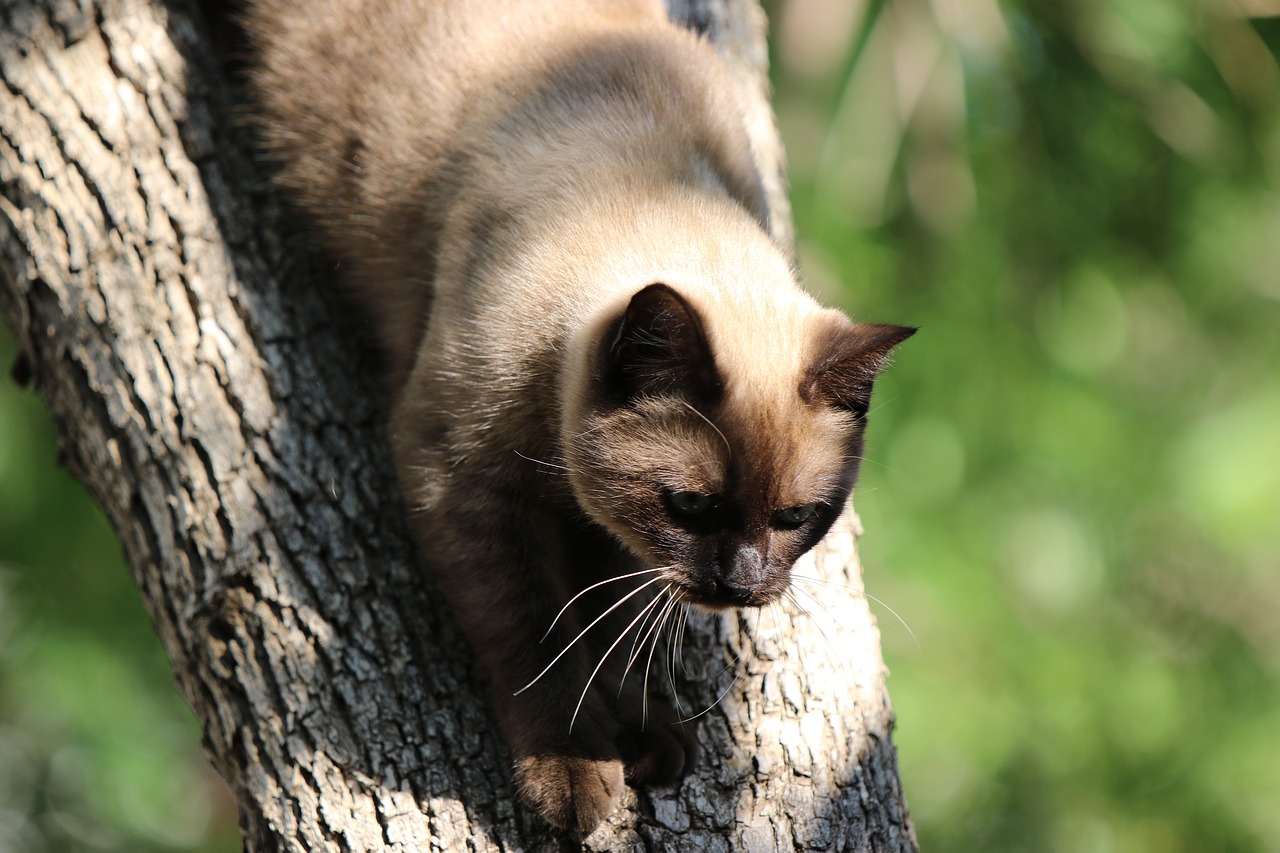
[(600, 364)]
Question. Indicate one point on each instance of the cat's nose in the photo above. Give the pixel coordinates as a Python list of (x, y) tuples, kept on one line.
[(743, 571)]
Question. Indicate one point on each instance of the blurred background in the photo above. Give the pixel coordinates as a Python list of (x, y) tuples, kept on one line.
[(1073, 492), (1074, 498)]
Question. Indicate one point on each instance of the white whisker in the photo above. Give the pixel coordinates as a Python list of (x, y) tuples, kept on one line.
[(595, 428), (584, 631), (723, 693), (727, 446), (540, 462), (609, 651), (671, 657), (835, 650), (648, 664), (642, 635), (855, 591), (866, 459), (882, 404), (684, 624), (570, 602)]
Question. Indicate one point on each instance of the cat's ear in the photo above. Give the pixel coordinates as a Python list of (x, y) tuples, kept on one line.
[(659, 346), (848, 358)]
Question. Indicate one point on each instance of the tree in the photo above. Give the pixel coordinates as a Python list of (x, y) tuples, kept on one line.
[(217, 401)]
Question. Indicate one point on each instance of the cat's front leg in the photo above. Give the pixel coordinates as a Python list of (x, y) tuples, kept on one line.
[(567, 761), (617, 729), (573, 783), (656, 743), (502, 566)]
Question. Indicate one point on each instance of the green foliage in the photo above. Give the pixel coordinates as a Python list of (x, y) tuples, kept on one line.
[(1073, 491), (97, 752)]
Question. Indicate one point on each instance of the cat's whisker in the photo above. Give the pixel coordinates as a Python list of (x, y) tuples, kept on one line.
[(804, 611), (684, 625), (587, 432), (642, 636), (570, 602), (832, 584), (691, 408), (671, 655), (865, 459), (881, 404), (584, 631), (723, 693), (648, 664), (673, 650), (541, 462), (835, 650), (609, 651), (795, 602), (757, 631), (644, 690), (856, 591)]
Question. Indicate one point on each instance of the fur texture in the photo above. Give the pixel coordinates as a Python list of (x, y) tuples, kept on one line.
[(601, 366)]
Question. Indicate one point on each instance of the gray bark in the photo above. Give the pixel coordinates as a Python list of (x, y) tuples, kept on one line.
[(218, 403)]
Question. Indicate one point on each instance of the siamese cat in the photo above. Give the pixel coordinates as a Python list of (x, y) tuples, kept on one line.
[(604, 375)]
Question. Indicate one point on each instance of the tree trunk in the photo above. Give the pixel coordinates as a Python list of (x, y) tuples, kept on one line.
[(216, 401)]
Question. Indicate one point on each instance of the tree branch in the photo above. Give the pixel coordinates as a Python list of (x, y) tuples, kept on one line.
[(216, 401)]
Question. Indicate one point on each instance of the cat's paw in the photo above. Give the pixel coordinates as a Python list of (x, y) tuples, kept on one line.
[(656, 755), (656, 747), (571, 793)]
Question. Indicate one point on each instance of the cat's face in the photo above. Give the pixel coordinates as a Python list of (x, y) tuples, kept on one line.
[(723, 470)]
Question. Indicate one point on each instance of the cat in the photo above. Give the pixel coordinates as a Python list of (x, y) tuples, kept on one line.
[(603, 372)]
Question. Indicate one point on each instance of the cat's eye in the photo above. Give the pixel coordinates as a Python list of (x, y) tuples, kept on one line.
[(796, 515), (690, 503)]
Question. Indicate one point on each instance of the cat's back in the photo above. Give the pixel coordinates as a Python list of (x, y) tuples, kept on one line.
[(366, 104), (365, 90)]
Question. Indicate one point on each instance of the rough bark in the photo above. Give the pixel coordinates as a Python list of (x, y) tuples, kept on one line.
[(219, 405)]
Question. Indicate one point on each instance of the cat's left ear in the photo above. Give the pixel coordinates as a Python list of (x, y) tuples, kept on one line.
[(659, 346), (848, 358)]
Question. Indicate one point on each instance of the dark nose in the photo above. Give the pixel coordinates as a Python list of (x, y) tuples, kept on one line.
[(742, 570)]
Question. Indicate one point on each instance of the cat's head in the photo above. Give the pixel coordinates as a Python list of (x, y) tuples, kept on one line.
[(723, 447)]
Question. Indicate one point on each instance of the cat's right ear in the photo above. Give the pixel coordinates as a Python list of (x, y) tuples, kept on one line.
[(659, 346), (850, 356)]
